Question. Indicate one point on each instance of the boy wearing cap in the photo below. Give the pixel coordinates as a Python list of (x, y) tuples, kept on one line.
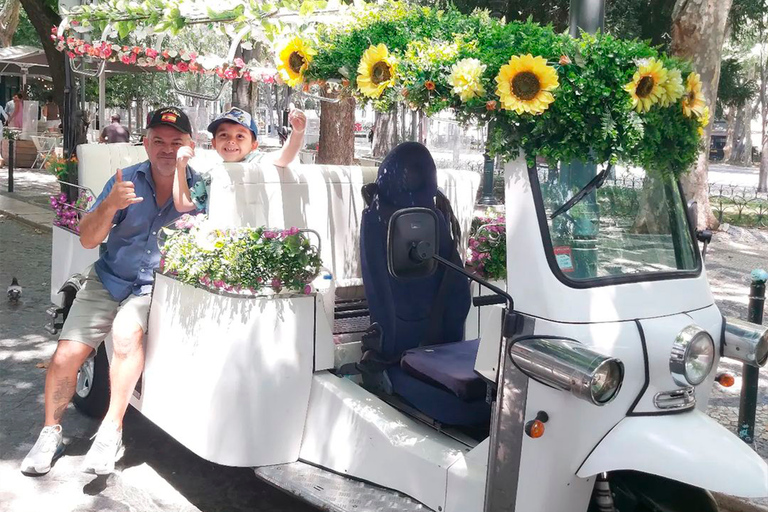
[(235, 139), (131, 210)]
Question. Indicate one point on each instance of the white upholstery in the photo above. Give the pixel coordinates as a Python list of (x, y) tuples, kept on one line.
[(324, 198), (99, 162)]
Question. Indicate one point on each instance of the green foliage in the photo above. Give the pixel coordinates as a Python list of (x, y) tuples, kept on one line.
[(591, 118), (242, 260), (488, 247), (25, 33), (736, 86)]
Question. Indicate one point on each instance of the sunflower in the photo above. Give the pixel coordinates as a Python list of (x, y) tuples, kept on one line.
[(294, 59), (693, 99), (672, 87), (525, 84), (376, 71), (465, 78), (703, 121), (645, 87)]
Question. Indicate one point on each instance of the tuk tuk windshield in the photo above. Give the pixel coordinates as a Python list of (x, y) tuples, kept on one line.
[(629, 227)]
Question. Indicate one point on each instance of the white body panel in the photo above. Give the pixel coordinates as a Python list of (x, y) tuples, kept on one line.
[(689, 447), (537, 292), (466, 481), (228, 377), (352, 432), (69, 257)]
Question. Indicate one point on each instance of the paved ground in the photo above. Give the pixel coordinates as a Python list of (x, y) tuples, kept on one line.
[(156, 474)]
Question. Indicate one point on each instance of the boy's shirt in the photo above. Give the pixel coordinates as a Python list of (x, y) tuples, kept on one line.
[(199, 194)]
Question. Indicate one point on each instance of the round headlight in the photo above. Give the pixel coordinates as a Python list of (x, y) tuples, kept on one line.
[(606, 381), (693, 355)]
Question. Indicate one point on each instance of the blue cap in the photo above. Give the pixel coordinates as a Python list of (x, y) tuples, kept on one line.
[(238, 116)]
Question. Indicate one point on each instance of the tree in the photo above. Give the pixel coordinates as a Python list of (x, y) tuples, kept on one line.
[(736, 91), (42, 14), (9, 20), (698, 33), (337, 130)]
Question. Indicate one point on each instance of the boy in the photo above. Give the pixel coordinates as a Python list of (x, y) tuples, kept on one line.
[(235, 140)]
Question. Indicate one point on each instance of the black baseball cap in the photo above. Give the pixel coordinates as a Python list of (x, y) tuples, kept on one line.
[(171, 116)]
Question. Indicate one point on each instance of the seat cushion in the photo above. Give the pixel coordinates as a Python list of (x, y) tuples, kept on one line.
[(438, 403), (450, 366)]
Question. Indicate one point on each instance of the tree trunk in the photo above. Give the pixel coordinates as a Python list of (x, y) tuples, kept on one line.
[(384, 133), (414, 124), (43, 19), (730, 133), (698, 32), (403, 129), (762, 182), (9, 20), (241, 88), (741, 153), (337, 131)]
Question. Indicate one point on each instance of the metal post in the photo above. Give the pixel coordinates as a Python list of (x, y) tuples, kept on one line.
[(750, 374), (586, 15), (11, 161)]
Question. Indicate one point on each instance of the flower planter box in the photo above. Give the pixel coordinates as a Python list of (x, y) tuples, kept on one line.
[(69, 258), (229, 376)]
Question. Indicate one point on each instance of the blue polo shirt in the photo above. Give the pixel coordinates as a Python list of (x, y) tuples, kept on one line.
[(127, 266)]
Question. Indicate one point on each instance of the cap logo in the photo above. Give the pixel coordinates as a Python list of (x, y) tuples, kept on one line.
[(169, 117)]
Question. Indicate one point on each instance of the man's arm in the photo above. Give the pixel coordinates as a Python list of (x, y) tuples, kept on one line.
[(182, 198), (95, 226), (293, 145)]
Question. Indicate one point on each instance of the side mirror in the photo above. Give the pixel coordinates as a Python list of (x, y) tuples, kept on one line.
[(411, 243), (693, 214)]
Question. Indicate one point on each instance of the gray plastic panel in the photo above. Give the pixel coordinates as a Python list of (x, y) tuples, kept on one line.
[(335, 493)]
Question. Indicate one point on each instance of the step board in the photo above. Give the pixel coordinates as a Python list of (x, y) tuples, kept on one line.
[(333, 492)]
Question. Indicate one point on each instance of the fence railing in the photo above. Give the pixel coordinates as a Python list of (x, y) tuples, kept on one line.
[(742, 206)]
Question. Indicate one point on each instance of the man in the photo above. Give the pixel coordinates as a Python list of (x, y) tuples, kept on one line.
[(133, 207), (114, 132), (16, 112)]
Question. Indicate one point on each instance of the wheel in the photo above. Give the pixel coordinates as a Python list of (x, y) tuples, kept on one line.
[(634, 491), (92, 388)]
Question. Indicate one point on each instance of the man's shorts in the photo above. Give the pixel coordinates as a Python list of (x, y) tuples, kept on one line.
[(94, 312)]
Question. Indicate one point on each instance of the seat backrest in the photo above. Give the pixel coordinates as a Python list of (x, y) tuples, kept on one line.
[(418, 311)]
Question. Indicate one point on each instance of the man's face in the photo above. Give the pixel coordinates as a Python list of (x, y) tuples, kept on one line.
[(162, 143), (233, 142)]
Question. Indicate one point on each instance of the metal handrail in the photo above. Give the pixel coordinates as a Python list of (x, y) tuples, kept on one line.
[(81, 188)]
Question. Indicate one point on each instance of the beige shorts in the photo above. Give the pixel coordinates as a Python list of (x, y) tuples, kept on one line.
[(94, 312)]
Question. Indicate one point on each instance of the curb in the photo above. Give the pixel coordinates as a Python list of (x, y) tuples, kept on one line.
[(24, 220), (733, 504)]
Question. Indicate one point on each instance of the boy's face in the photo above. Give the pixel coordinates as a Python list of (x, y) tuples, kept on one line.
[(233, 142)]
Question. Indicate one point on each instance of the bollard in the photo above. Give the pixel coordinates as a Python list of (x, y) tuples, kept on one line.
[(11, 161), (751, 374)]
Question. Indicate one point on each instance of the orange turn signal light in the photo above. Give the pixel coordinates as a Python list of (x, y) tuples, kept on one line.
[(725, 379), (534, 429)]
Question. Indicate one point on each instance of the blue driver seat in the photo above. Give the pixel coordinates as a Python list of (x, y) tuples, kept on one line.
[(415, 348)]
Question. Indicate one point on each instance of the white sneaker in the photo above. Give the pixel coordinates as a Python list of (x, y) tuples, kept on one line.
[(49, 446), (105, 450)]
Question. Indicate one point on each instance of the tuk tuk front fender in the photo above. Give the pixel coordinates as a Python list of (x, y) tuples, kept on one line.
[(688, 447)]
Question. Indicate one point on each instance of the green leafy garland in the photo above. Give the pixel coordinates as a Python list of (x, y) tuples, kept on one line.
[(591, 116)]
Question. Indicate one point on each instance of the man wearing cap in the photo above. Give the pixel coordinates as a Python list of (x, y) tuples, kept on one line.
[(133, 207)]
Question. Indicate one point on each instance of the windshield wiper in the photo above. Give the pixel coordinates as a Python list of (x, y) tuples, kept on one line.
[(593, 184)]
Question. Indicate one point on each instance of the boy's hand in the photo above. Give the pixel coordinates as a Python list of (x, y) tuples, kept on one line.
[(297, 120), (183, 155), (122, 194)]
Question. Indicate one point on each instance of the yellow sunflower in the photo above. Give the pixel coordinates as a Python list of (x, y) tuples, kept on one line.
[(294, 59), (693, 99), (376, 71), (465, 78), (703, 120), (645, 87), (526, 83), (672, 87)]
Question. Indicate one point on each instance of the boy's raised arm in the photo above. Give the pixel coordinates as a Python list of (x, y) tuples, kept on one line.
[(292, 146), (182, 199)]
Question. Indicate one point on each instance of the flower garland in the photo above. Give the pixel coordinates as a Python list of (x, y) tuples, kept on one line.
[(179, 61)]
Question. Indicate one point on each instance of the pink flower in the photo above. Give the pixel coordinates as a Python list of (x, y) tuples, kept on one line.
[(270, 235), (125, 59), (307, 289), (150, 52), (276, 284), (183, 67), (218, 283), (192, 55), (230, 73), (239, 62), (162, 262), (247, 76), (106, 51), (169, 67)]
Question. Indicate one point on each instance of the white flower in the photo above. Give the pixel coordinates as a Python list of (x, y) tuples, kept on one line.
[(172, 53), (466, 77)]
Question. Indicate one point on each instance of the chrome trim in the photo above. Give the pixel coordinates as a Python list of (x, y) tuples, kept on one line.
[(745, 342), (679, 355), (564, 364), (676, 400)]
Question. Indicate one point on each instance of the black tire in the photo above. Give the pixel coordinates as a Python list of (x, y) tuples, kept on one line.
[(92, 394), (634, 491)]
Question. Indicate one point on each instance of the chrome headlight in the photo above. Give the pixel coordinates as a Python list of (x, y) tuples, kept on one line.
[(693, 355), (570, 366)]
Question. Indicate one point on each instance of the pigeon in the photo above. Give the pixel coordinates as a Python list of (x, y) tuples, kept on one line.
[(14, 291)]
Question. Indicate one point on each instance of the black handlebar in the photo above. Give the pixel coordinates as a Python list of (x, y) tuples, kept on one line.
[(488, 300)]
